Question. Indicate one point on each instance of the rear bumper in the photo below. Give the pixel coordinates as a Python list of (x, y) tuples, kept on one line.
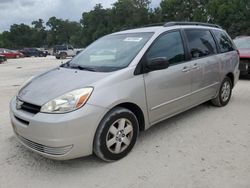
[(57, 136), (244, 66)]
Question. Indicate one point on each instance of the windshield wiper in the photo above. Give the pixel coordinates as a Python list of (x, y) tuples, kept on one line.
[(83, 68), (65, 64)]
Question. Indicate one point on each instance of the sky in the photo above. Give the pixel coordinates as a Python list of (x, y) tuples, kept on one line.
[(26, 11)]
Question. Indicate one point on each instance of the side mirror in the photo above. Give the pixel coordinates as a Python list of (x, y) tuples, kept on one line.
[(158, 63)]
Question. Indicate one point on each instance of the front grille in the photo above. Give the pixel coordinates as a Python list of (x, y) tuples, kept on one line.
[(34, 109), (45, 149)]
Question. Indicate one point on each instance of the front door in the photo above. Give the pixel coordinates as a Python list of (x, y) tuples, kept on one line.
[(168, 91)]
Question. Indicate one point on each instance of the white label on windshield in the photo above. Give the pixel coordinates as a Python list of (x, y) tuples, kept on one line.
[(133, 39)]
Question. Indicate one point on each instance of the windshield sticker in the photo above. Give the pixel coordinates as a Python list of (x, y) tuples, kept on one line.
[(133, 39)]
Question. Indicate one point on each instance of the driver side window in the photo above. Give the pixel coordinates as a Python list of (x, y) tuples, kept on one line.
[(170, 46)]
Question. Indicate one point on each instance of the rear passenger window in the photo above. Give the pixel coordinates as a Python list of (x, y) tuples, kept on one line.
[(169, 46), (225, 43), (201, 43)]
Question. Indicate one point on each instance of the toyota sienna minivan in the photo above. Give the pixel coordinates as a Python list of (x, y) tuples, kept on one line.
[(123, 83)]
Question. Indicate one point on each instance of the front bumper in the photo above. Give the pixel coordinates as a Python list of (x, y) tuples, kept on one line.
[(57, 136)]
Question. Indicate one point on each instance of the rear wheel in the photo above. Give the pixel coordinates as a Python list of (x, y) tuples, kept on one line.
[(63, 56), (116, 134), (224, 94)]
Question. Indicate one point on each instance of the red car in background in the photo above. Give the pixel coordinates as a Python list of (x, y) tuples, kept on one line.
[(10, 53), (243, 45)]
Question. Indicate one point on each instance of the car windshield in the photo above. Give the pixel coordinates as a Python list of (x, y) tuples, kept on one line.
[(111, 53), (60, 48), (242, 42)]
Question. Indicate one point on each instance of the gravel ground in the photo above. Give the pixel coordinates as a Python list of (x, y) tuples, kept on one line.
[(201, 148)]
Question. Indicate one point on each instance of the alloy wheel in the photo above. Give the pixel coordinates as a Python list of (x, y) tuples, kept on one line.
[(119, 136)]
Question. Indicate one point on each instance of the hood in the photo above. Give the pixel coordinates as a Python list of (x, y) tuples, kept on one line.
[(244, 53), (57, 82)]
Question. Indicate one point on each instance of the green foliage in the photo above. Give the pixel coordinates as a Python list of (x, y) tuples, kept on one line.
[(232, 15), (63, 32), (130, 14), (95, 23), (188, 10), (123, 14)]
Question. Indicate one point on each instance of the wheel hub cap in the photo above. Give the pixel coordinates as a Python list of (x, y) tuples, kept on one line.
[(225, 91), (119, 136)]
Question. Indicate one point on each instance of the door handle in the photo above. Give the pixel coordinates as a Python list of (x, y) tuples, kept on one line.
[(185, 69), (195, 66)]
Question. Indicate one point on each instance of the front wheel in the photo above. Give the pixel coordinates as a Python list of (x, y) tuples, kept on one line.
[(116, 134), (224, 94)]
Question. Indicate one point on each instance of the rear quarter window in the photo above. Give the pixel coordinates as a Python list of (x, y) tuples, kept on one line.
[(224, 42)]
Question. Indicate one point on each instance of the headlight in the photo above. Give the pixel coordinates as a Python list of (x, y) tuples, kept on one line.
[(68, 102)]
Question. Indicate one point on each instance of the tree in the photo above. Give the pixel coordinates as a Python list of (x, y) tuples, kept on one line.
[(63, 31), (232, 15), (130, 14), (187, 10), (39, 35), (95, 23), (4, 40), (20, 36)]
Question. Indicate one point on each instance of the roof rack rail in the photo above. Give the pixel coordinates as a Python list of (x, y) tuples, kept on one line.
[(168, 24), (154, 24)]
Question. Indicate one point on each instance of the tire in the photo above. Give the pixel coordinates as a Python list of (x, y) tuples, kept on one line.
[(63, 56), (57, 57), (116, 135), (224, 94)]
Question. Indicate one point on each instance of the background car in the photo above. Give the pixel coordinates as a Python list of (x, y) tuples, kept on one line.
[(45, 51), (2, 58), (10, 53), (63, 51), (29, 52), (243, 45)]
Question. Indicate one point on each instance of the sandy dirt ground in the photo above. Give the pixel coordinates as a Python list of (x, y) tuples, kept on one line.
[(206, 147)]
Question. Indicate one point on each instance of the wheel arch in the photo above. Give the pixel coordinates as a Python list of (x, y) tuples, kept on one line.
[(231, 76), (136, 110)]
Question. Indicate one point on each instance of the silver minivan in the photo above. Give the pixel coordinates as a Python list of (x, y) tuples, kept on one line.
[(122, 84)]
